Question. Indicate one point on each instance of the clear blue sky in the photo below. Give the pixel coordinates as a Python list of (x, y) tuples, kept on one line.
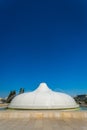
[(43, 41)]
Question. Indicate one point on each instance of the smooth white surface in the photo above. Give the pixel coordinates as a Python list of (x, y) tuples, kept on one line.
[(43, 98)]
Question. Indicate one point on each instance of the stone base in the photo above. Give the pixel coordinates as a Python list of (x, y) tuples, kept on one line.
[(43, 114)]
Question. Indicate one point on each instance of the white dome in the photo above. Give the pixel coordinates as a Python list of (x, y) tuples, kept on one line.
[(43, 98)]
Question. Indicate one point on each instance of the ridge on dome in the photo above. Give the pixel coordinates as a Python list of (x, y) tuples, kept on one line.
[(43, 88)]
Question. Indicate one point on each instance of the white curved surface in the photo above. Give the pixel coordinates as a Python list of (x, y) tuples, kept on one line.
[(43, 98)]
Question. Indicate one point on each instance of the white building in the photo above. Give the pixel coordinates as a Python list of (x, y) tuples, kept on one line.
[(43, 98), (1, 101)]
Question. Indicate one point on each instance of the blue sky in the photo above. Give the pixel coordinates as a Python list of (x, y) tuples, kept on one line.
[(43, 41)]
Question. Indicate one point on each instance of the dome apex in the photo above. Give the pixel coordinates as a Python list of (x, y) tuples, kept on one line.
[(43, 87)]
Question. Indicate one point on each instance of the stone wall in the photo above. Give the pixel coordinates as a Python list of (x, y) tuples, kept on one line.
[(43, 114)]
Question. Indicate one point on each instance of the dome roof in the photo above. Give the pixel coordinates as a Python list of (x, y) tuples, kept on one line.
[(43, 98)]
